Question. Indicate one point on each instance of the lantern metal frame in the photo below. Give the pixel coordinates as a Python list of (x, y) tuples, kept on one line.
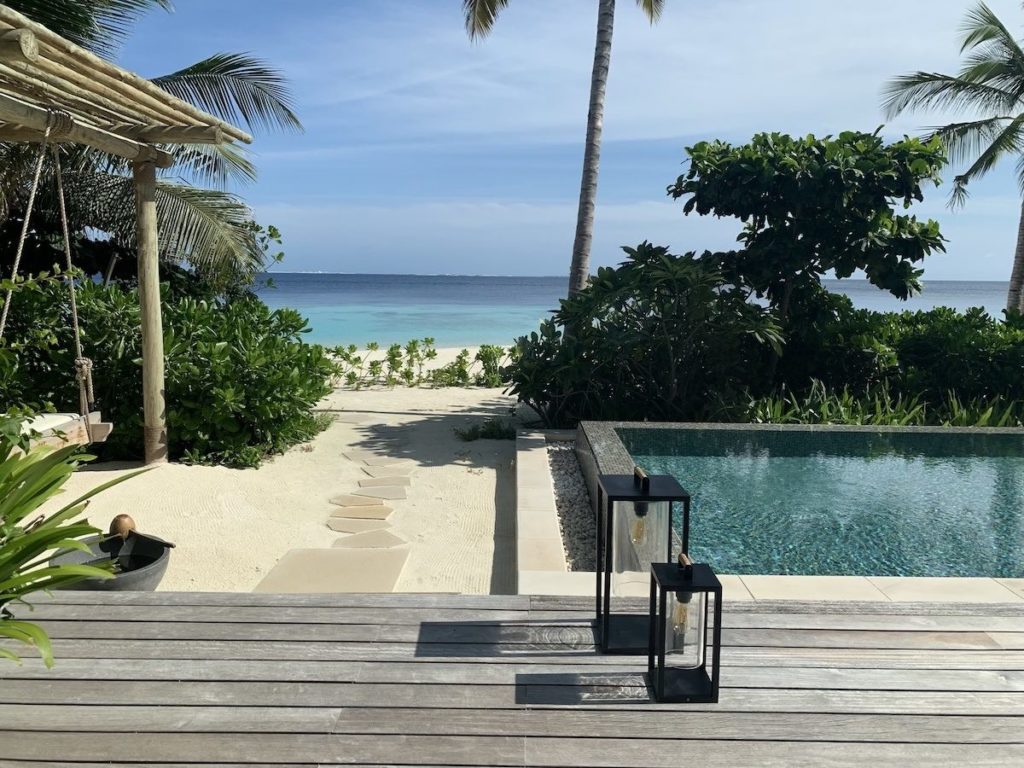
[(680, 684), (626, 633)]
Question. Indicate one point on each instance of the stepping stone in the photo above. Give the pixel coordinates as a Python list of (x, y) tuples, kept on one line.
[(373, 482), (370, 540), (356, 525), (335, 570), (363, 513), (392, 470), (383, 461), (358, 455), (383, 492), (349, 500)]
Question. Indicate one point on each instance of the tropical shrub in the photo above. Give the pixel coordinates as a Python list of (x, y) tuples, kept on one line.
[(654, 338), (28, 479), (240, 382)]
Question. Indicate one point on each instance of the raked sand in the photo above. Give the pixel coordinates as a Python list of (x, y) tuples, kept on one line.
[(232, 526)]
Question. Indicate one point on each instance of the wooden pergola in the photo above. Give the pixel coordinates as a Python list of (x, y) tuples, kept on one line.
[(46, 80)]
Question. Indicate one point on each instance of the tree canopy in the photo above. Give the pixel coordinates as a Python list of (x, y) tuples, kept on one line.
[(811, 206)]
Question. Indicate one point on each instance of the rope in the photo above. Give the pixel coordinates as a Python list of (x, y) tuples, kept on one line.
[(50, 120), (83, 365), (59, 123)]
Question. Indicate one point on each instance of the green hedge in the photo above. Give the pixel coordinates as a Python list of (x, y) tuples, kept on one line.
[(664, 337), (240, 381)]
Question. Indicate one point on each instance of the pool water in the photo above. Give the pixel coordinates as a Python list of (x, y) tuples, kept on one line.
[(839, 502)]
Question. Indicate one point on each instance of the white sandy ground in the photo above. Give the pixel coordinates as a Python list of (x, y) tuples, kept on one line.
[(231, 526)]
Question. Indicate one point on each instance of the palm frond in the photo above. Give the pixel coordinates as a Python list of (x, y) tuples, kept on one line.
[(652, 9), (207, 228), (965, 141), (981, 26), (481, 15), (932, 90), (1010, 140), (213, 165), (235, 87), (98, 25)]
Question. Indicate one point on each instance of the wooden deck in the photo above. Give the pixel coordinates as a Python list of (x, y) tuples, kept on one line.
[(245, 679)]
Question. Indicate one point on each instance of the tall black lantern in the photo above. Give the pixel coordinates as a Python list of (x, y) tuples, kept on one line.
[(634, 531), (678, 648)]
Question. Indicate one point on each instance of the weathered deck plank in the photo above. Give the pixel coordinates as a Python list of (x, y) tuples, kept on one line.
[(318, 680)]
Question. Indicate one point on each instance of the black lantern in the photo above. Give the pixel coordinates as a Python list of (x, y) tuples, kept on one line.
[(677, 652), (634, 530)]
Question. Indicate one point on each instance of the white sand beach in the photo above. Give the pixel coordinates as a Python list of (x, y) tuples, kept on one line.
[(232, 526)]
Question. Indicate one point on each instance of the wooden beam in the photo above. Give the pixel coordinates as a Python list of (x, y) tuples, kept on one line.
[(134, 87), (171, 134), (154, 424), (19, 45), (14, 110)]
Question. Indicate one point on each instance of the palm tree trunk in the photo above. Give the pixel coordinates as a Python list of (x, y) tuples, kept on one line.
[(579, 272), (1015, 296)]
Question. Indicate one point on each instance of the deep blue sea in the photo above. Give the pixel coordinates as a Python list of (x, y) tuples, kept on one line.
[(461, 310)]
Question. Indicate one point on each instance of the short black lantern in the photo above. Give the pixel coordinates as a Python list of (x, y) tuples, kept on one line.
[(677, 654), (634, 531)]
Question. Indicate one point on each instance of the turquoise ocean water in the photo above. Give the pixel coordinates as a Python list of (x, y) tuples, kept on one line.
[(461, 310)]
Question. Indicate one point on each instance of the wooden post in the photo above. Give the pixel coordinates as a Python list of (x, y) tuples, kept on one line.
[(155, 428)]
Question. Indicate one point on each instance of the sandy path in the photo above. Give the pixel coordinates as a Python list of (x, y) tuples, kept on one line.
[(231, 526)]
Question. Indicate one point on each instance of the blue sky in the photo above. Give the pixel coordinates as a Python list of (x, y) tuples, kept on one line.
[(426, 153)]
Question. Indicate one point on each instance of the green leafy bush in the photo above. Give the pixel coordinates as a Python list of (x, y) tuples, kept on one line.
[(240, 382), (654, 338)]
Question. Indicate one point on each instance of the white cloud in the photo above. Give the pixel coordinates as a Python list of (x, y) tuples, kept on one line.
[(731, 67)]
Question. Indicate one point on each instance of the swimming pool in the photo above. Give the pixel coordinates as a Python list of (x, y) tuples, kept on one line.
[(896, 502)]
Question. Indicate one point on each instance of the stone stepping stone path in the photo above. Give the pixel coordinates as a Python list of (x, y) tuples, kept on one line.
[(370, 540), (355, 525), (369, 558), (335, 570), (383, 492), (373, 482), (363, 513)]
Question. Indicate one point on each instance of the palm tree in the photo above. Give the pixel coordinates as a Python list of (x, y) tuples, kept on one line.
[(480, 18), (990, 85), (202, 223)]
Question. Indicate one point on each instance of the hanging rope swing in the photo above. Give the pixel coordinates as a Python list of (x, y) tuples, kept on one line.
[(60, 428)]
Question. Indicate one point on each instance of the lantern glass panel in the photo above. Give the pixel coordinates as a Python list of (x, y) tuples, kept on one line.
[(684, 629), (640, 536)]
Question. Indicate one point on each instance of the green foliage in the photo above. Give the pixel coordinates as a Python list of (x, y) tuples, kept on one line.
[(240, 382), (408, 365), (811, 206), (488, 429), (28, 540), (877, 406), (652, 339)]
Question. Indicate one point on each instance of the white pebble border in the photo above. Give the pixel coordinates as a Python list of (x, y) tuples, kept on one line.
[(572, 500)]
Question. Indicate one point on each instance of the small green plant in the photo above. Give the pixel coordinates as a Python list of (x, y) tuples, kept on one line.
[(29, 477), (455, 374), (488, 429), (490, 357)]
